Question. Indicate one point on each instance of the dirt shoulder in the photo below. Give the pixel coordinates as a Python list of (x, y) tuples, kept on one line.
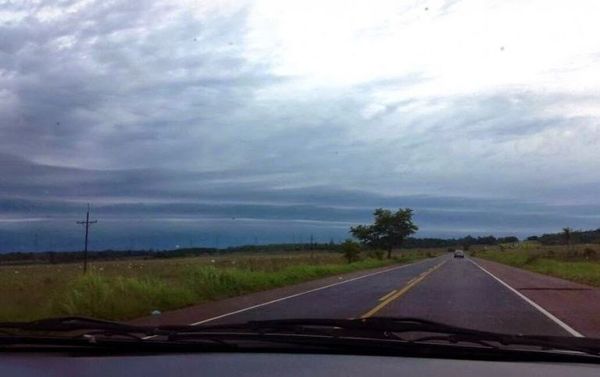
[(577, 305)]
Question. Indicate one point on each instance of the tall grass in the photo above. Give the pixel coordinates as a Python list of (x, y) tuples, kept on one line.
[(120, 298), (579, 263)]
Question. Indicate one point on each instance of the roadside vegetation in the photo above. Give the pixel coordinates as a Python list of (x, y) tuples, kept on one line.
[(126, 289), (579, 263)]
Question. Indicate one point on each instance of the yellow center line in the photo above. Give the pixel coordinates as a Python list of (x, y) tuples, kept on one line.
[(385, 300), (388, 295), (411, 280)]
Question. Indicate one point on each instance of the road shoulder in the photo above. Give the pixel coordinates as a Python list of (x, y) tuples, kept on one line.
[(575, 304)]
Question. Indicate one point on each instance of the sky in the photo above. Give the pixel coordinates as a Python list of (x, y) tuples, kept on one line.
[(218, 123)]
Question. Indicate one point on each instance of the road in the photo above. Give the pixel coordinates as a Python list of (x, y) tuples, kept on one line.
[(453, 291)]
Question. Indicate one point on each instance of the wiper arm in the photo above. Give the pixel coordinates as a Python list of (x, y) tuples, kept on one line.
[(75, 326), (67, 324)]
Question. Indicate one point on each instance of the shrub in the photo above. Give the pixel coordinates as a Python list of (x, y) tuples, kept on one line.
[(588, 253), (376, 254), (350, 250), (531, 258)]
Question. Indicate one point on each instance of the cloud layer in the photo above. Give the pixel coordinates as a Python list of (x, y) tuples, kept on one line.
[(238, 122)]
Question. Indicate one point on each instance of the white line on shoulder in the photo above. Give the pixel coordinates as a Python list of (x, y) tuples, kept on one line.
[(566, 327)]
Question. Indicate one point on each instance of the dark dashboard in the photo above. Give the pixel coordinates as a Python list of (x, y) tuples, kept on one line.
[(231, 364)]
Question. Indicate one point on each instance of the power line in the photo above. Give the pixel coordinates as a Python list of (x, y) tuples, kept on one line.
[(87, 223)]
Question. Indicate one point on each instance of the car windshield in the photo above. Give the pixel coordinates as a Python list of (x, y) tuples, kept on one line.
[(217, 162)]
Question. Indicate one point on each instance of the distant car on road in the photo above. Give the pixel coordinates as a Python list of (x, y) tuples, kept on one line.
[(459, 254)]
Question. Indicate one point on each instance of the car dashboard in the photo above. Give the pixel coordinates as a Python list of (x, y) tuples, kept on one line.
[(262, 364)]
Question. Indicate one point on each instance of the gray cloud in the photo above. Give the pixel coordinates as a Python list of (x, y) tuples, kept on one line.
[(166, 122)]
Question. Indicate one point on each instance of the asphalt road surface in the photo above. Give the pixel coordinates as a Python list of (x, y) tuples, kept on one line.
[(446, 289)]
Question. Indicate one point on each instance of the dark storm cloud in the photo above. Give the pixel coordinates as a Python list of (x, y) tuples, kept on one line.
[(51, 192)]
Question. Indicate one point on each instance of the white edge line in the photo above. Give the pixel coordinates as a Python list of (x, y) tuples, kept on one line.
[(306, 292), (566, 327)]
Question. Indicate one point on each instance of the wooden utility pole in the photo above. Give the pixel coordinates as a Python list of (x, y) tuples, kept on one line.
[(87, 223)]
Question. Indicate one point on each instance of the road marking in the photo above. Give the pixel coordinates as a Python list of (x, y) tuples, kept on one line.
[(566, 327), (411, 283), (388, 295), (304, 293)]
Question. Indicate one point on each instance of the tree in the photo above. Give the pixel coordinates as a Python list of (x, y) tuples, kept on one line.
[(467, 242), (508, 239), (351, 250), (567, 234), (388, 231)]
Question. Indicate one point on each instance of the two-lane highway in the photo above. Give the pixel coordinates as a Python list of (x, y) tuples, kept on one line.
[(344, 299), (454, 291), (462, 294)]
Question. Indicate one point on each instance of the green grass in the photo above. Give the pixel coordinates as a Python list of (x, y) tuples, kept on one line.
[(127, 289), (578, 263)]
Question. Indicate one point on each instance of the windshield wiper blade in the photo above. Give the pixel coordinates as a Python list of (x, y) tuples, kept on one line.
[(394, 328), (90, 332), (374, 324), (75, 326), (374, 328)]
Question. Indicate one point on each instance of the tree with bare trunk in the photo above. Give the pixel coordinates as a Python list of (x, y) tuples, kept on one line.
[(388, 230)]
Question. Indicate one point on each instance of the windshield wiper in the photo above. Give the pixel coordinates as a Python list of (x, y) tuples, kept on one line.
[(91, 333), (393, 327), (397, 328), (380, 331)]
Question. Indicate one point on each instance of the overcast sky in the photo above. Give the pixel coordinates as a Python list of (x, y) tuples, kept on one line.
[(228, 122)]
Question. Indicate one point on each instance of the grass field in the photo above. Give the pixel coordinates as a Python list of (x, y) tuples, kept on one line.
[(127, 289), (579, 263)]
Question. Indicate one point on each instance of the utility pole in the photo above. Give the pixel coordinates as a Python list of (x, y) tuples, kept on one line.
[(87, 223)]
